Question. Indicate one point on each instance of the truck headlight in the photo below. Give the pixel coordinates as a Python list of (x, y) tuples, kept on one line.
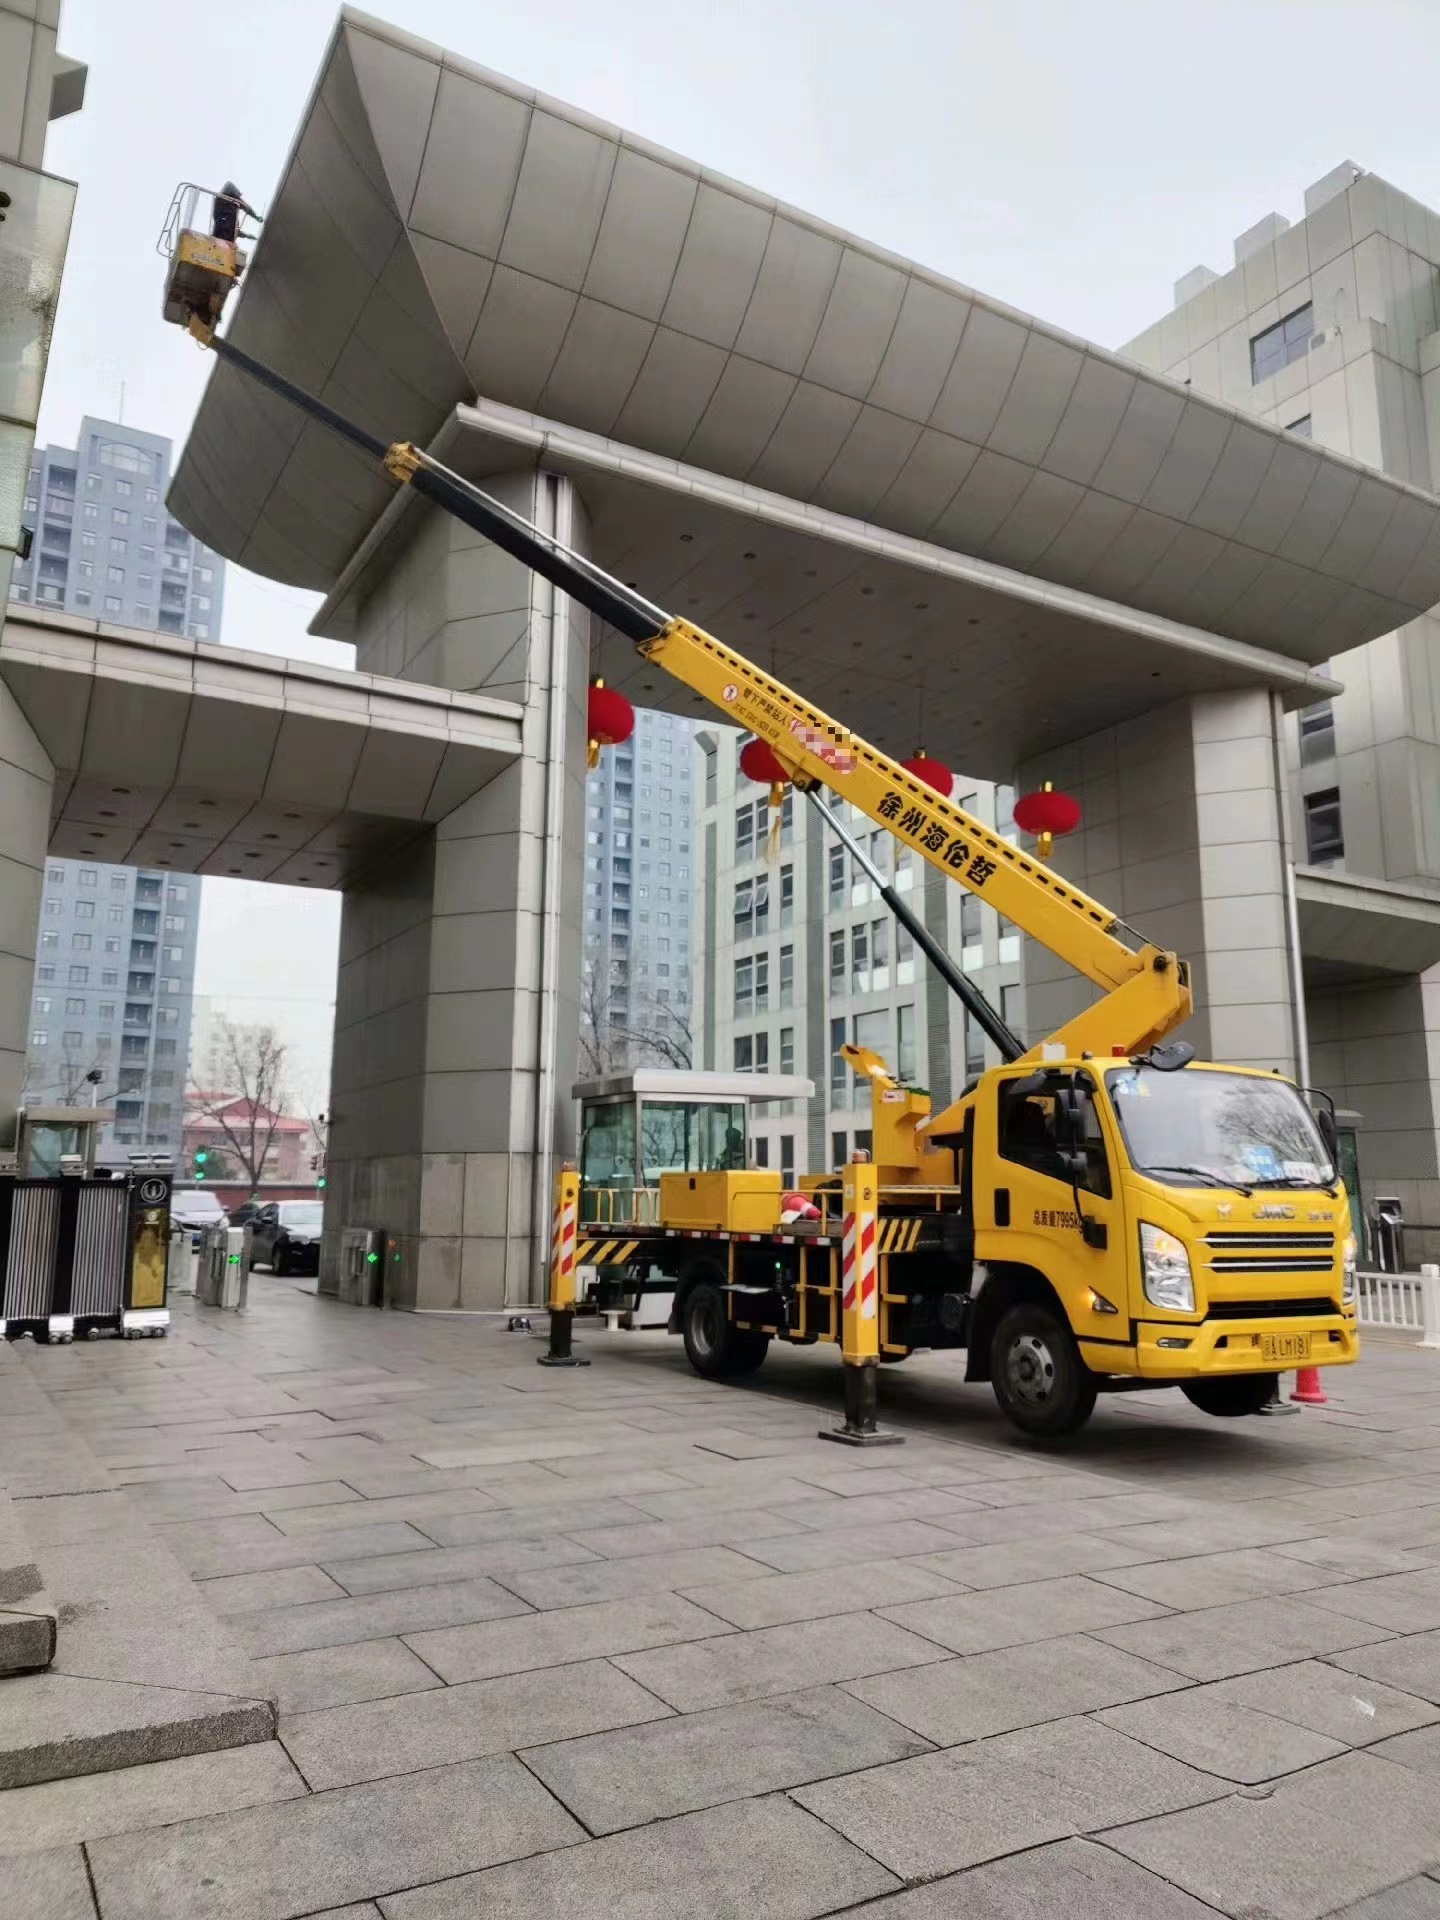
[(1166, 1267), (1350, 1282)]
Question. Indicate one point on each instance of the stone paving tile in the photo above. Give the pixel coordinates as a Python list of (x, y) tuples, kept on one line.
[(949, 1810), (695, 1760), (262, 1548), (342, 1745), (990, 1693), (330, 1848), (872, 1509), (55, 1725), (1014, 1563), (563, 1634), (613, 1579), (1315, 1694), (779, 1598), (284, 1587), (530, 1522), (63, 1812), (1221, 1641), (843, 1546), (46, 1886), (1040, 1488), (372, 1616), (1070, 1880), (1338, 1832), (671, 1536), (416, 1508), (1354, 1559), (754, 1857), (1219, 1579), (978, 1622), (442, 1565), (1222, 1735), (735, 1491), (1221, 1530), (736, 1667), (1408, 1602), (1419, 1750), (1417, 1899), (341, 1675)]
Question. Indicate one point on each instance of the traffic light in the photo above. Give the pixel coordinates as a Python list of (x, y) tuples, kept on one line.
[(200, 1160)]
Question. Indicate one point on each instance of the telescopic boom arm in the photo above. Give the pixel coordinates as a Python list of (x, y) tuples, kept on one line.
[(1146, 991)]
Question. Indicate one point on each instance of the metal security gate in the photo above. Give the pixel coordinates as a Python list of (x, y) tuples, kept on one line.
[(83, 1255)]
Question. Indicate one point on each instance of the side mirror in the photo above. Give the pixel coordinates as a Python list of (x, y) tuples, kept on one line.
[(1069, 1119), (1330, 1134)]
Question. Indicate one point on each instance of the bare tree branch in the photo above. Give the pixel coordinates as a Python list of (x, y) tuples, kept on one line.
[(248, 1110)]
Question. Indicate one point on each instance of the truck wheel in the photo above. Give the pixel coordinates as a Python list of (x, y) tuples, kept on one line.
[(716, 1349), (1232, 1399), (1040, 1381)]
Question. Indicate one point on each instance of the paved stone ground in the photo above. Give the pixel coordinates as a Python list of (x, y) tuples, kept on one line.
[(614, 1644)]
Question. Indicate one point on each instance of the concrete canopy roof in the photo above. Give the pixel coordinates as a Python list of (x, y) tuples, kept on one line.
[(1354, 929), (205, 759), (893, 635), (442, 233)]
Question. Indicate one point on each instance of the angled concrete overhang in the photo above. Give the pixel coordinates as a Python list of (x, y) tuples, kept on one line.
[(894, 635), (173, 753), (1354, 929), (443, 234)]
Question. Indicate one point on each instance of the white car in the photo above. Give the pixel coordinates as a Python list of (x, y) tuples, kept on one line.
[(195, 1208)]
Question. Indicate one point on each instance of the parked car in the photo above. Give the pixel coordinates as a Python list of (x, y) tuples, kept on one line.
[(286, 1236), (242, 1215), (195, 1208)]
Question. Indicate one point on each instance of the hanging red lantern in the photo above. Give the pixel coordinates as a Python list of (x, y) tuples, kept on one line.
[(1048, 815), (759, 762), (934, 773), (610, 720)]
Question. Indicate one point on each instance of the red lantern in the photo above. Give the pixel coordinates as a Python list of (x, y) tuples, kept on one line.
[(758, 762), (934, 773), (1047, 815), (610, 720)]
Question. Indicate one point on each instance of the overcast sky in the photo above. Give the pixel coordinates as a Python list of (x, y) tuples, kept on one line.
[(1073, 157)]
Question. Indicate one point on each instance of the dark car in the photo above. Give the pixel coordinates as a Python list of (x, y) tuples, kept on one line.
[(286, 1236)]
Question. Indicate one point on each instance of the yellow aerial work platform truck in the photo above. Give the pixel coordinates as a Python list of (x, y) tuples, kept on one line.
[(1099, 1212)]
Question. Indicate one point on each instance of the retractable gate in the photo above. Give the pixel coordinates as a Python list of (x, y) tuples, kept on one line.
[(81, 1255)]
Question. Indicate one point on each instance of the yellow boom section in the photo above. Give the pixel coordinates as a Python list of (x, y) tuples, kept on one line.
[(1147, 991)]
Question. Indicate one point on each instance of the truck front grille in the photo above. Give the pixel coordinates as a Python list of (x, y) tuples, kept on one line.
[(1269, 1309), (1244, 1250)]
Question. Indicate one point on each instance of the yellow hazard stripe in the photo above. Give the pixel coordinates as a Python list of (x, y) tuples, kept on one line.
[(604, 1253)]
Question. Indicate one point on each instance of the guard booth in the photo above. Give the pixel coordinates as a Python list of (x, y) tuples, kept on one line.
[(635, 1126)]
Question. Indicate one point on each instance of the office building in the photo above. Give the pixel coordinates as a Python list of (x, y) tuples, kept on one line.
[(639, 859), (796, 954), (115, 964)]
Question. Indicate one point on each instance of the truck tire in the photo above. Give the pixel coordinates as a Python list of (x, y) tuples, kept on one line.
[(1040, 1381), (716, 1349), (1233, 1398)]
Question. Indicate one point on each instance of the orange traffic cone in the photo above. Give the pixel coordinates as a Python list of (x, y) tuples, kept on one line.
[(1308, 1390)]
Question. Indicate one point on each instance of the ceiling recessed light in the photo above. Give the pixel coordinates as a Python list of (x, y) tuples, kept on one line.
[(208, 803), (687, 537), (192, 826), (177, 846), (107, 813), (269, 836), (922, 606), (235, 869), (747, 556), (973, 621), (292, 816), (119, 789), (810, 573), (867, 591)]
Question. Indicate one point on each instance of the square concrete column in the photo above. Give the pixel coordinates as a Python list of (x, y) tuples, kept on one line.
[(26, 782), (457, 1009), (1183, 837)]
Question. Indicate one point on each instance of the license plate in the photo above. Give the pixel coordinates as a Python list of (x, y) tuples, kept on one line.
[(1284, 1348)]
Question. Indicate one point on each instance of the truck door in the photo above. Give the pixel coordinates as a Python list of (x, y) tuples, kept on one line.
[(1052, 1176)]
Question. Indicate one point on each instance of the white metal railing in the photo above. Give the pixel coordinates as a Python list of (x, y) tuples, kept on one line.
[(1406, 1302)]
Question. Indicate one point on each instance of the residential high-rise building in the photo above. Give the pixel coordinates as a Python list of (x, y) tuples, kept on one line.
[(639, 888), (115, 965), (796, 954)]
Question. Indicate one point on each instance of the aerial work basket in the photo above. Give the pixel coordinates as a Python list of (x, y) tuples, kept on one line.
[(200, 243)]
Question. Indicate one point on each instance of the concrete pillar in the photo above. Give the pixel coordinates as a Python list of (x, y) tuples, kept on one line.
[(26, 782), (457, 1009), (1182, 838)]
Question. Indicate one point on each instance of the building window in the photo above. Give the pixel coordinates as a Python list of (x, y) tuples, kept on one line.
[(120, 516), (762, 901), (39, 1038), (79, 976), (170, 986), (787, 1159), (762, 983), (80, 942), (82, 599), (122, 489), (76, 1004), (84, 909), (1317, 733), (837, 1150), (56, 876), (860, 959), (904, 956), (787, 1050), (44, 973), (744, 988), (879, 955), (905, 1063), (787, 977), (113, 603), (744, 910), (1281, 345), (119, 547), (974, 1049), (762, 1053), (53, 907), (42, 1003), (837, 960), (116, 577), (106, 1010), (787, 897), (744, 1053), (1301, 428), (88, 877), (49, 940), (1010, 1010), (761, 1151), (745, 835), (1324, 839), (73, 1038), (839, 1072)]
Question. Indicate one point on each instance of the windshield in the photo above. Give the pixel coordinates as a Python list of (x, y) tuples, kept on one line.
[(1196, 1128), (301, 1213)]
